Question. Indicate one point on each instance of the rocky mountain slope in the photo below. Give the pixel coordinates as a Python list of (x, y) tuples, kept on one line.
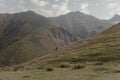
[(115, 19), (25, 36), (104, 47), (80, 24)]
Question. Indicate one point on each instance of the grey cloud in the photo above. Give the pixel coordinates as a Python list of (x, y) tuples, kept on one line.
[(98, 8)]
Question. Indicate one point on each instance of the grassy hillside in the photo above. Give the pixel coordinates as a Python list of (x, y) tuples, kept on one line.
[(93, 59), (104, 47)]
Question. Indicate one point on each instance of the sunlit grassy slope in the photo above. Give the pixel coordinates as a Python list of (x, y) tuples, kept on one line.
[(104, 47)]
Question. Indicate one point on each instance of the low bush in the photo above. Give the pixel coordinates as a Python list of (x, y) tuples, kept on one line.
[(99, 63), (16, 68), (21, 68), (78, 66), (26, 76), (65, 65), (100, 69), (49, 69), (116, 71), (39, 67)]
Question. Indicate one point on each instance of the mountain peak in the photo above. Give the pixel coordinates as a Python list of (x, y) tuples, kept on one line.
[(26, 12), (116, 16), (75, 12), (115, 19), (29, 12)]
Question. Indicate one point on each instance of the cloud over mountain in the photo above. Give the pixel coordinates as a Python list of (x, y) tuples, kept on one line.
[(108, 8)]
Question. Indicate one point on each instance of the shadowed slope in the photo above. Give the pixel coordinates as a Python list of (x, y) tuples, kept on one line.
[(27, 35)]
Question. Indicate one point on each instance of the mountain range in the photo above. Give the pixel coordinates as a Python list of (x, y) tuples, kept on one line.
[(114, 20), (80, 24), (27, 35)]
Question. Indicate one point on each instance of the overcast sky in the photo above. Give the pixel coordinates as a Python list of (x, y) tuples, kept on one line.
[(98, 8)]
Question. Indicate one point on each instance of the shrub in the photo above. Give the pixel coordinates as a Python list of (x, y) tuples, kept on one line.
[(16, 68), (49, 69), (39, 67), (99, 63), (78, 66), (64, 65), (100, 69), (26, 76), (116, 71)]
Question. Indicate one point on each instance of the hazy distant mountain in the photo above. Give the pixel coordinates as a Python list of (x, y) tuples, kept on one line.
[(115, 19), (80, 24), (27, 35)]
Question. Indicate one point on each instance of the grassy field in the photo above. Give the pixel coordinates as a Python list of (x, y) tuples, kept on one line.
[(92, 71)]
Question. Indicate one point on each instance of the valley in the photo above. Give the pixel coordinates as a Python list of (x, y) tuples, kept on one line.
[(34, 47)]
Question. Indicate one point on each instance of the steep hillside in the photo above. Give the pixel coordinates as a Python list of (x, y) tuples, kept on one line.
[(80, 24), (104, 47), (27, 35)]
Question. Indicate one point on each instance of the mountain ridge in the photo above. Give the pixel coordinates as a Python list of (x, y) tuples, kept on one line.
[(80, 24), (27, 35), (115, 19)]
